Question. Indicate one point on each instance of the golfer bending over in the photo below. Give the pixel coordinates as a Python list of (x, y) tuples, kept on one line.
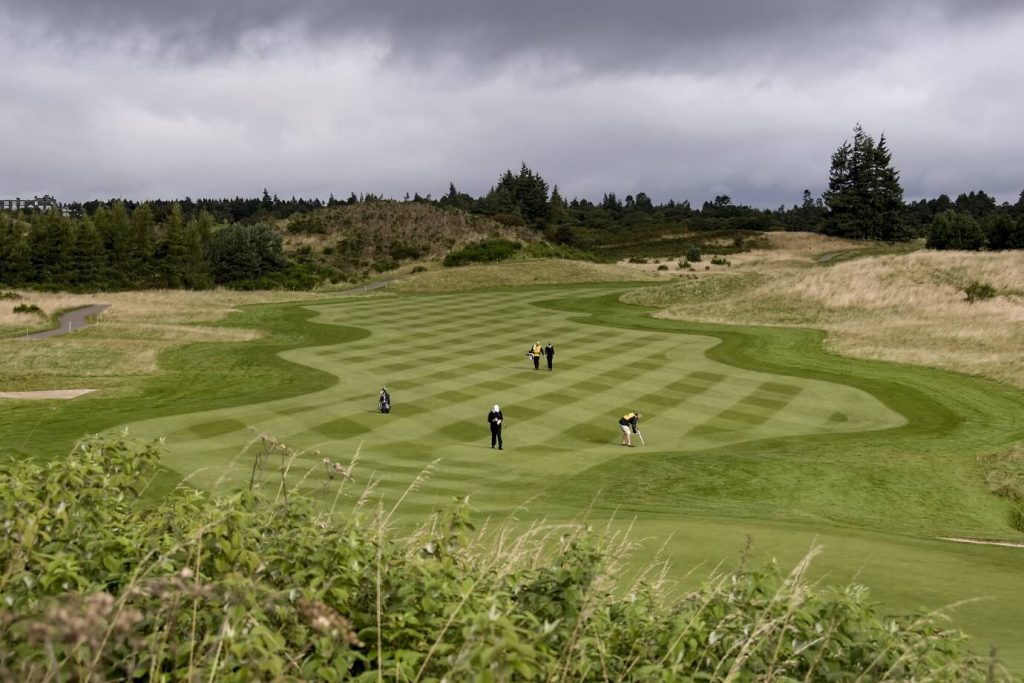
[(494, 419), (628, 425)]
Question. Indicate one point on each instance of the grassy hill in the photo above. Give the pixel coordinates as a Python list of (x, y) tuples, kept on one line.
[(354, 241)]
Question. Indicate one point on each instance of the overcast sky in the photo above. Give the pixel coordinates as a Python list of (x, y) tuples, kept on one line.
[(683, 99)]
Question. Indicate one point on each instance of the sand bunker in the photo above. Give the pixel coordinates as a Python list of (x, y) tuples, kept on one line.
[(42, 395)]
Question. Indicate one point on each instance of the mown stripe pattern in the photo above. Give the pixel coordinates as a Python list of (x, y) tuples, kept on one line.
[(448, 358)]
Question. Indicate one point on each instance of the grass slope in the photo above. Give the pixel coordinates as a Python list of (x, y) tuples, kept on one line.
[(749, 430)]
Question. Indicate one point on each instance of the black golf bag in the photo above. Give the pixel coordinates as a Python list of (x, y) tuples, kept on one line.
[(384, 402)]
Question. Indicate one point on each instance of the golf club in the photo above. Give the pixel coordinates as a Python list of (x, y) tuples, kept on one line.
[(641, 437)]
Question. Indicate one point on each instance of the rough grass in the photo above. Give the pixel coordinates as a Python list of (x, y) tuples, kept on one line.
[(748, 430), (907, 308), (127, 338), (519, 273), (372, 236)]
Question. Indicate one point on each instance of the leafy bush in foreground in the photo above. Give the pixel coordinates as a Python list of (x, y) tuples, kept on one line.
[(98, 585)]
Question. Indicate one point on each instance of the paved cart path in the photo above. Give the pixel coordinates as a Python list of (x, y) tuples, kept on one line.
[(70, 321)]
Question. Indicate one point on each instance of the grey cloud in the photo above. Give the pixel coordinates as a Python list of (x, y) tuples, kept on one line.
[(656, 35), (680, 100)]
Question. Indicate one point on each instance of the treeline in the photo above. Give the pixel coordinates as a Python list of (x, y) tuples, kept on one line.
[(117, 248)]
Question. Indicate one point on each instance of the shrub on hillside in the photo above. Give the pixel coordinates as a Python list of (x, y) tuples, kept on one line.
[(14, 296), (483, 252), (693, 254), (100, 584), (27, 308), (954, 230), (977, 291), (559, 251)]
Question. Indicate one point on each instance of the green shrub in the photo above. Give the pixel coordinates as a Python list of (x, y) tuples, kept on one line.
[(99, 584), (419, 269), (559, 251), (720, 261), (14, 296), (662, 267), (637, 259), (483, 252), (954, 230), (693, 254), (977, 291), (27, 308), (241, 254)]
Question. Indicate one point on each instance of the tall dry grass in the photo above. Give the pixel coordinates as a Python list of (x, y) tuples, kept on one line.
[(907, 308), (128, 337), (519, 273)]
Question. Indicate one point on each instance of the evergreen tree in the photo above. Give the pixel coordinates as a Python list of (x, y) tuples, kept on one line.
[(532, 196), (50, 248), (556, 208), (204, 224), (15, 262), (174, 251), (864, 196), (240, 253), (955, 230), (114, 228), (195, 273), (1002, 231), (141, 247), (89, 257)]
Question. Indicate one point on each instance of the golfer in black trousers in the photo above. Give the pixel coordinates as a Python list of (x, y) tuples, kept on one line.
[(494, 419), (549, 351)]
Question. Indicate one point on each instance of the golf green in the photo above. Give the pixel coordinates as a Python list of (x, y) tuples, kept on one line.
[(747, 431)]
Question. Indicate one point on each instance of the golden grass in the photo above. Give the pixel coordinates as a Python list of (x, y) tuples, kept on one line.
[(128, 337), (907, 308), (519, 273)]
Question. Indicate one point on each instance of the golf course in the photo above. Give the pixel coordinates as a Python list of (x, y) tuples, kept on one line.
[(748, 432)]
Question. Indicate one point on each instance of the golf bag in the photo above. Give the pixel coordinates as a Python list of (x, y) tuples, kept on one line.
[(384, 402)]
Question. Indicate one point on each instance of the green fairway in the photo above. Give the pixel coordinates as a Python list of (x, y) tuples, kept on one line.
[(748, 431)]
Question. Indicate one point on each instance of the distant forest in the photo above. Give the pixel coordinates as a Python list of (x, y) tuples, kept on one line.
[(120, 244)]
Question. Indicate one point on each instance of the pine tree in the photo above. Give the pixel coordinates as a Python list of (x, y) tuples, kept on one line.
[(90, 261), (955, 230), (864, 196), (15, 263), (173, 264), (50, 248), (114, 228), (141, 247), (195, 273), (557, 209)]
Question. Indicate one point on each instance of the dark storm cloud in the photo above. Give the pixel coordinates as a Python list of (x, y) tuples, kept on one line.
[(665, 34), (679, 99)]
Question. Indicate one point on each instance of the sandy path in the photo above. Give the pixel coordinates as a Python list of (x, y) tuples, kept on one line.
[(976, 541), (45, 395)]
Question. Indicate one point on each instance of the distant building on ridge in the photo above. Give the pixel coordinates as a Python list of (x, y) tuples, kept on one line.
[(44, 203)]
